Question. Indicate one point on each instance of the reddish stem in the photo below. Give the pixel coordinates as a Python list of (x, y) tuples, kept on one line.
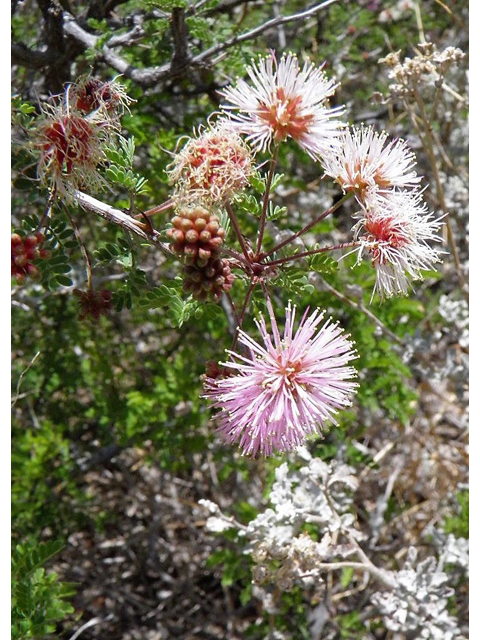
[(242, 313), (304, 254), (263, 219), (307, 227), (158, 209), (238, 233)]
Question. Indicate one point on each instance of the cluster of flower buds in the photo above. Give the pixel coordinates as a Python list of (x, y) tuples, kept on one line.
[(210, 281), (24, 252), (196, 235), (197, 238), (94, 304)]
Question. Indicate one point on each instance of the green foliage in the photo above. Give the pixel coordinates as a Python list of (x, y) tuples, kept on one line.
[(459, 524), (259, 182), (132, 287), (118, 251), (274, 212), (178, 309), (22, 113), (120, 172), (294, 280), (41, 474), (290, 619), (39, 599), (322, 263), (235, 567), (351, 627)]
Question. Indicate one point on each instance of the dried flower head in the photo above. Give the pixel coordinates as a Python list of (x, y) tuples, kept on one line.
[(90, 94), (285, 389), (212, 166), (93, 303), (365, 161), (395, 230), (284, 101), (71, 148)]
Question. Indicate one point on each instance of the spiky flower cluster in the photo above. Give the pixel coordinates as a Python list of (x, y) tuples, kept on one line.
[(210, 281), (395, 231), (196, 235), (24, 253), (211, 167), (284, 101), (394, 225), (365, 163), (93, 303), (73, 132), (285, 389), (90, 94)]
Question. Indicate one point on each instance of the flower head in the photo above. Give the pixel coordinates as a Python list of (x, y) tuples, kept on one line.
[(94, 303), (70, 148), (90, 94), (285, 389), (364, 161), (284, 101), (395, 230), (211, 167)]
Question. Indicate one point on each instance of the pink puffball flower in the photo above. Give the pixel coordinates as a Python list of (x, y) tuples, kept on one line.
[(211, 167), (285, 101), (365, 161), (395, 230), (286, 389)]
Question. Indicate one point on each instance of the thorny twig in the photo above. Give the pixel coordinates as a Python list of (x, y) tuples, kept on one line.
[(153, 75)]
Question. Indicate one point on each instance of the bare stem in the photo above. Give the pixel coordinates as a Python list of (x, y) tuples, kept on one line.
[(121, 219), (266, 199), (233, 307), (309, 226), (83, 248), (169, 204), (46, 215), (248, 295), (238, 233), (304, 254), (428, 144)]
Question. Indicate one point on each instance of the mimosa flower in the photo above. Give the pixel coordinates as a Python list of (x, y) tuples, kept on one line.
[(395, 230), (211, 167), (366, 161), (286, 389), (284, 101)]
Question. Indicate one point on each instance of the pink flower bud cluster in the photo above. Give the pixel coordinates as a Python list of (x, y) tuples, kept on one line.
[(25, 252)]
